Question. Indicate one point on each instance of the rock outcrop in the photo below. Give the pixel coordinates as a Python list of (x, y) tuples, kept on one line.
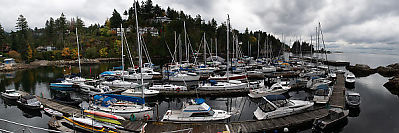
[(389, 71), (393, 85), (361, 70)]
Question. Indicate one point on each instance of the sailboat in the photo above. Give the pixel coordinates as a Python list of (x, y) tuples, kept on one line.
[(77, 79), (144, 91), (224, 85)]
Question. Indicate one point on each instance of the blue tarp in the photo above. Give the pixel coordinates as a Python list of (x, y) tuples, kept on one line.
[(117, 68), (97, 97), (213, 82), (199, 100), (126, 98), (275, 97), (107, 73), (323, 86)]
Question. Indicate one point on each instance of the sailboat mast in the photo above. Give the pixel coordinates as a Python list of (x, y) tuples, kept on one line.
[(77, 42), (185, 41), (140, 56), (228, 60), (204, 51), (123, 63), (257, 56), (216, 46)]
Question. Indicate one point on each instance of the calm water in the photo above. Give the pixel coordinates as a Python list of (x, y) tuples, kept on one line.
[(378, 110)]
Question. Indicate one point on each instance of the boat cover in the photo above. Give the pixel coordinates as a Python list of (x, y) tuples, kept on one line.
[(275, 97), (322, 86), (124, 98), (199, 100)]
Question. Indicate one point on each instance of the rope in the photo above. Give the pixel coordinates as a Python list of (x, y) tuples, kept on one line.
[(29, 126)]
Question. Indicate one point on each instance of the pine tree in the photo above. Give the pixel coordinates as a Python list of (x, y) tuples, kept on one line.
[(22, 24), (115, 20), (61, 26)]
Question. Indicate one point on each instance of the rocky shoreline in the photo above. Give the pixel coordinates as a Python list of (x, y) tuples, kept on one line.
[(361, 70), (38, 63)]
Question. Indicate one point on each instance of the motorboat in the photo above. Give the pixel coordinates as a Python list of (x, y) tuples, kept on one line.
[(139, 92), (350, 80), (315, 81), (52, 112), (11, 94), (168, 87), (29, 102), (195, 111), (274, 106), (63, 86), (322, 94), (335, 117), (120, 84), (184, 77), (213, 85), (275, 89), (352, 98)]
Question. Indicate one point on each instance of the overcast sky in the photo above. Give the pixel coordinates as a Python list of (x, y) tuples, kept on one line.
[(347, 24)]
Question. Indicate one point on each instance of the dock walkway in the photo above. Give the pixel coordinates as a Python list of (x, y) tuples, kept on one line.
[(338, 97)]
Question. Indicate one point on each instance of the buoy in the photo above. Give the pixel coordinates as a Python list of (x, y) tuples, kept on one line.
[(286, 130), (147, 117), (132, 117)]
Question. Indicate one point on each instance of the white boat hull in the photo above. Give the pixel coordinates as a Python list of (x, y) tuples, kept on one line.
[(175, 115)]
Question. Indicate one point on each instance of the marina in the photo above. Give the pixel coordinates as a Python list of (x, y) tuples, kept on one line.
[(149, 68)]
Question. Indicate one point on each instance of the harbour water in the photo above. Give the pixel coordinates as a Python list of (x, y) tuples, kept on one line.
[(377, 113)]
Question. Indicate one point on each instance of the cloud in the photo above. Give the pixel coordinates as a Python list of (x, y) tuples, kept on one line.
[(346, 24)]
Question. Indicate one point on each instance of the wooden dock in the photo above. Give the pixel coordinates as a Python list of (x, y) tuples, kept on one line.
[(338, 97)]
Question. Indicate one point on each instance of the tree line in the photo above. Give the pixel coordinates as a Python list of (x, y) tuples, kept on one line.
[(101, 40)]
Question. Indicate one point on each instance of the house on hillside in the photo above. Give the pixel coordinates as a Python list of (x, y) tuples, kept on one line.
[(162, 19), (152, 30)]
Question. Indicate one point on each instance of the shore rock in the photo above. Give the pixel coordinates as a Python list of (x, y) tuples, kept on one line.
[(389, 71), (393, 85), (361, 70)]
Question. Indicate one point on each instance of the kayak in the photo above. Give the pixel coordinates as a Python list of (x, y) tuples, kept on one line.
[(105, 119), (103, 114)]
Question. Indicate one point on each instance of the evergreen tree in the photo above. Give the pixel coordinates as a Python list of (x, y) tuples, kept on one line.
[(61, 26), (50, 31), (79, 24), (22, 24), (115, 20), (2, 36)]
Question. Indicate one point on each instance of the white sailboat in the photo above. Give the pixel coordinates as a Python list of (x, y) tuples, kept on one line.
[(77, 79), (224, 85), (144, 91)]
